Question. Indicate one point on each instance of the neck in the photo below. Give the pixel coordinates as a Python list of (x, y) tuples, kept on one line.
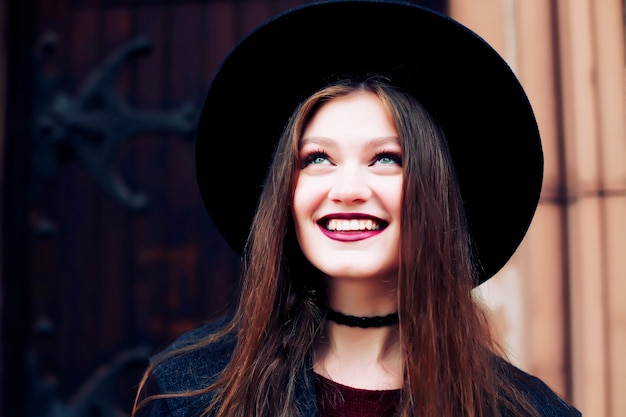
[(361, 358), (361, 297)]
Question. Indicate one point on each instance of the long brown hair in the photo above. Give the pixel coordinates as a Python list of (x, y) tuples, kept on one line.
[(450, 359)]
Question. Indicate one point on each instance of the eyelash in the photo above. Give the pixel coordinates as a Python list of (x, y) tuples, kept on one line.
[(311, 156), (395, 157)]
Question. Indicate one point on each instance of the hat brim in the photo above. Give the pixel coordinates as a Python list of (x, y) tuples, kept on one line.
[(457, 76)]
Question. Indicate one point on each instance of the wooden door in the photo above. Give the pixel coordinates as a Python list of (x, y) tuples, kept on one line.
[(108, 251)]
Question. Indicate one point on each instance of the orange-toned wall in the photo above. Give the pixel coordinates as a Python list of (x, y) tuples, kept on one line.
[(560, 304)]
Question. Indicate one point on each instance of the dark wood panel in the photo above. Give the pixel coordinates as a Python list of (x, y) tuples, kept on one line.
[(102, 279)]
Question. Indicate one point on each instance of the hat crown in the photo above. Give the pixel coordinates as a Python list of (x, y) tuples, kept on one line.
[(468, 88)]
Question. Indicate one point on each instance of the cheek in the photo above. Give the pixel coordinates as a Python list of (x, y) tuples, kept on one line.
[(306, 198), (302, 207), (300, 203), (396, 199), (399, 192), (391, 193)]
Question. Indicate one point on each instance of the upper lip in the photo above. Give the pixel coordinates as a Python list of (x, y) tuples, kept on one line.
[(365, 221)]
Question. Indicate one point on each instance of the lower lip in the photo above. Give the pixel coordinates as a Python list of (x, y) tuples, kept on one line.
[(349, 236)]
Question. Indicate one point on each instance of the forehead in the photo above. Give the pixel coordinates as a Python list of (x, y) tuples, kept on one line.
[(350, 114)]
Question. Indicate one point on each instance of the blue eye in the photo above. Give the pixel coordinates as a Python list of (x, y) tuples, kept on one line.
[(316, 158), (388, 159)]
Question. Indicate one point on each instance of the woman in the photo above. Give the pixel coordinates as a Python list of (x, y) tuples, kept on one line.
[(376, 219)]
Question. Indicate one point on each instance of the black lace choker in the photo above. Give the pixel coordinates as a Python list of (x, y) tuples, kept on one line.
[(362, 322)]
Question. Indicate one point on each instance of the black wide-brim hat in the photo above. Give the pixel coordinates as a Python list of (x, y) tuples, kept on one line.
[(457, 76)]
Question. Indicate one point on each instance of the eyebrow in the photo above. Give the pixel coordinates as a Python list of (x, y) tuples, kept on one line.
[(316, 140), (375, 142), (384, 140)]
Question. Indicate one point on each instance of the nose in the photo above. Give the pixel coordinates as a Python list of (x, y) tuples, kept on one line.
[(350, 186)]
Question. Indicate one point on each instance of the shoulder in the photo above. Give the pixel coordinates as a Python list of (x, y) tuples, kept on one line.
[(177, 369), (546, 401)]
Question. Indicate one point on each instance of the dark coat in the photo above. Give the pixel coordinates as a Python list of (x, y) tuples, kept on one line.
[(200, 367)]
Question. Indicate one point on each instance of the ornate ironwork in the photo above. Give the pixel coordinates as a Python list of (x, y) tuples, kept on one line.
[(97, 395), (90, 126)]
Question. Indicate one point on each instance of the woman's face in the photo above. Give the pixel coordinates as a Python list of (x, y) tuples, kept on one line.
[(348, 191)]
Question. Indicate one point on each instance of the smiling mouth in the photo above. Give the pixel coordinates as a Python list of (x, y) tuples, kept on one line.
[(352, 225)]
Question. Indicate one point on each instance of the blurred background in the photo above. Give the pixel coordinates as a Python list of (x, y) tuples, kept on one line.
[(107, 252)]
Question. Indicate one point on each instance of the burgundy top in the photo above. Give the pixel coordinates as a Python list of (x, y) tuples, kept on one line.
[(337, 400)]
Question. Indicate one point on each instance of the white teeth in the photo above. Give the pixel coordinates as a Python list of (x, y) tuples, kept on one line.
[(342, 225)]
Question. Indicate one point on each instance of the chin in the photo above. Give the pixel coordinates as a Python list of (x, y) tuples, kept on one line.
[(362, 272)]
